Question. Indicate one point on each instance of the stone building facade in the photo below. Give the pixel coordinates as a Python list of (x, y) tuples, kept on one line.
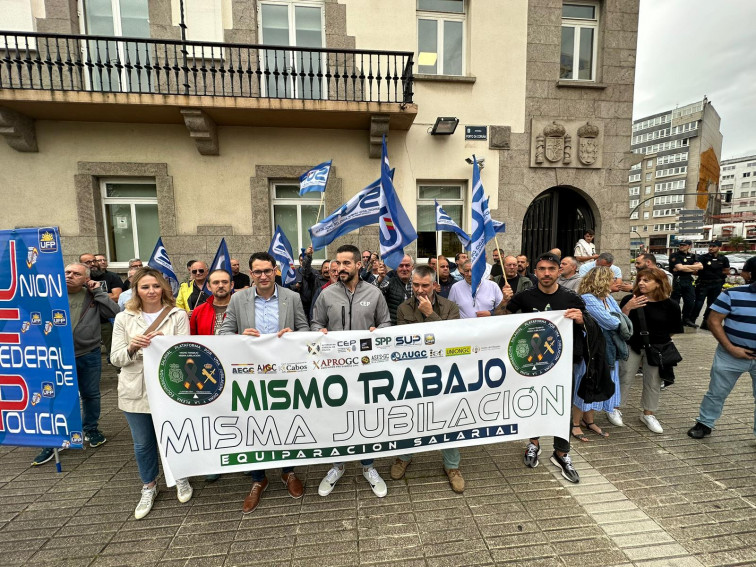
[(115, 159)]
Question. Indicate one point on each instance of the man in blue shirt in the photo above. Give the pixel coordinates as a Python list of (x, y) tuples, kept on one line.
[(731, 321)]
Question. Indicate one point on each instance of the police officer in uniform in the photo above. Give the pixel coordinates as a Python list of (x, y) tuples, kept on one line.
[(684, 266), (712, 276)]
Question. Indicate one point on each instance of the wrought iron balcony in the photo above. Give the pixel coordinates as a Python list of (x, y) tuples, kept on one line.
[(85, 63)]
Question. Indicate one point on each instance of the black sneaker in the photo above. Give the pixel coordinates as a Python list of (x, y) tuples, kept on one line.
[(96, 438), (44, 456), (699, 431), (565, 464), (666, 385), (531, 455)]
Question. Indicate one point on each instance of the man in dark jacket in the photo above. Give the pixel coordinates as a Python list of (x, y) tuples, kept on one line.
[(87, 303), (424, 306), (397, 289), (305, 280)]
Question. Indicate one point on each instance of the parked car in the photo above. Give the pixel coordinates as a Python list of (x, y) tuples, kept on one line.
[(736, 262), (662, 260)]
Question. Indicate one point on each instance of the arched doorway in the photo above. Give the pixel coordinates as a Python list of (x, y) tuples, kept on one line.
[(557, 218)]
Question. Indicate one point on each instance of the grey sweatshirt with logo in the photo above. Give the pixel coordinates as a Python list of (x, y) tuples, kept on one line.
[(336, 309)]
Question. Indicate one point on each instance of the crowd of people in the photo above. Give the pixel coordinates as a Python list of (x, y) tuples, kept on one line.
[(613, 342)]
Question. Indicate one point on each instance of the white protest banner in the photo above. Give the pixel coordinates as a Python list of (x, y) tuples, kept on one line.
[(233, 403)]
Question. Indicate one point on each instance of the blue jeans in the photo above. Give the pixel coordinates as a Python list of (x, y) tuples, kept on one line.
[(88, 370), (259, 475), (725, 371), (145, 445), (451, 458)]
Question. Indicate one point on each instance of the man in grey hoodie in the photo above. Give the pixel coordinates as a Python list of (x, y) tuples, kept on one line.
[(87, 302), (350, 304)]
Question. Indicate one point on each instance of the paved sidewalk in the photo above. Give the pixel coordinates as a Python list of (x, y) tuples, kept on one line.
[(644, 499)]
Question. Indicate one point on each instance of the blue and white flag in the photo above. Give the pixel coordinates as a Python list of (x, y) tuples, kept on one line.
[(315, 179), (498, 226), (396, 230), (483, 229), (363, 209), (444, 223), (222, 261), (280, 249), (162, 263)]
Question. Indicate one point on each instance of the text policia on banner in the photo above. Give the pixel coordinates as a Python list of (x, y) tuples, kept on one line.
[(39, 398), (225, 404)]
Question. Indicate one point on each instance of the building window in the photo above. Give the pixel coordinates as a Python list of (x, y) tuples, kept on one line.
[(579, 45), (650, 164), (747, 174), (441, 37), (130, 210), (451, 197), (645, 215), (635, 190), (634, 215), (648, 189), (649, 176), (295, 214), (634, 177)]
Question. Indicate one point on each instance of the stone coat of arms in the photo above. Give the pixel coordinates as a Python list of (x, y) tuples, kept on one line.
[(588, 143), (554, 144)]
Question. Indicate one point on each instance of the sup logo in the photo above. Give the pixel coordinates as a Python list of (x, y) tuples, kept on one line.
[(191, 374), (535, 347)]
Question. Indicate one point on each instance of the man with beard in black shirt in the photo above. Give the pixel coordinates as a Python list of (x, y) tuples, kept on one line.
[(111, 284), (548, 295)]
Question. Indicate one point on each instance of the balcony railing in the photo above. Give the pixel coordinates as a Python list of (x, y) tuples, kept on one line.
[(56, 62)]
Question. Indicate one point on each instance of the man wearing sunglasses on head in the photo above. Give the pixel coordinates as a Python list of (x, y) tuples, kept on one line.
[(191, 295)]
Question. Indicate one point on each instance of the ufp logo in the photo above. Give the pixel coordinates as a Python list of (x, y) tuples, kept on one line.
[(47, 241), (58, 317), (36, 318)]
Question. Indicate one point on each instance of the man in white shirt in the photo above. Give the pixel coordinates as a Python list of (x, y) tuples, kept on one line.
[(585, 249), (487, 298)]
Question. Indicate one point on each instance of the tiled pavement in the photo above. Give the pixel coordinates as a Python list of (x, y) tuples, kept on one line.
[(644, 499)]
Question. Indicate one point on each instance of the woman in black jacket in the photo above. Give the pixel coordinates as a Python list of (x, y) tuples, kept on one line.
[(651, 294)]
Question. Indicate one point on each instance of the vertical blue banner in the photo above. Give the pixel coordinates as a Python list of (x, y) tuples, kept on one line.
[(39, 395)]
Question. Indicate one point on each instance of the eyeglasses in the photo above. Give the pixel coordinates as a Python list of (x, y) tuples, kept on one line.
[(267, 272), (72, 273), (198, 271), (90, 262), (136, 266)]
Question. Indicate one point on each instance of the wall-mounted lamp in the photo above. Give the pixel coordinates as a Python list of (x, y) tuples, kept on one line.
[(444, 126)]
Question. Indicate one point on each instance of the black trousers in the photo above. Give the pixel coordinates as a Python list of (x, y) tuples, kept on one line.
[(708, 291), (683, 288)]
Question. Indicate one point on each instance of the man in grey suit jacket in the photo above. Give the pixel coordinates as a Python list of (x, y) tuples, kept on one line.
[(262, 309)]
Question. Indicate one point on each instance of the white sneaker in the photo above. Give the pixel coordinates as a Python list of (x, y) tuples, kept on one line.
[(145, 502), (615, 417), (375, 480), (330, 480), (184, 490), (652, 423)]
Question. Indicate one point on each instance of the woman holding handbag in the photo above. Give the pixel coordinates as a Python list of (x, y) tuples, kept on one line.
[(655, 317), (151, 311)]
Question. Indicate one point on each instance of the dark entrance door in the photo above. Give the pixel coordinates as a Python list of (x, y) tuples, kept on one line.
[(557, 218)]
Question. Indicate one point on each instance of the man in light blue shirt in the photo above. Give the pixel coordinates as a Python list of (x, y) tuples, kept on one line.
[(606, 259)]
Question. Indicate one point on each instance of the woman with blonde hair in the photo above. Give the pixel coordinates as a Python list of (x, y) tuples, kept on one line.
[(151, 311), (662, 319), (595, 290)]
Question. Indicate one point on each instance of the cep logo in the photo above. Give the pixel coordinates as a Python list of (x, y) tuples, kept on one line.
[(349, 345)]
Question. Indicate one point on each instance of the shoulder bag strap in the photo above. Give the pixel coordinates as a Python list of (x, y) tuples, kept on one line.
[(643, 328), (156, 322)]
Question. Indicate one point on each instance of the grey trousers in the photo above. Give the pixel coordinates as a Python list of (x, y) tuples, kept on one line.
[(651, 380)]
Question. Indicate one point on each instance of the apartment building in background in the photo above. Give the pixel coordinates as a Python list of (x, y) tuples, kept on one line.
[(125, 120), (676, 146)]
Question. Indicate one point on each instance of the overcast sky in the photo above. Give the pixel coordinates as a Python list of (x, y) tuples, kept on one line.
[(691, 48)]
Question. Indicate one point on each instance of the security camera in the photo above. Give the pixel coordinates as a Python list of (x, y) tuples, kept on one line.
[(481, 161)]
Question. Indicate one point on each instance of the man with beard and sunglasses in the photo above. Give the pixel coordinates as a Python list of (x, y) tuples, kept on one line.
[(350, 304)]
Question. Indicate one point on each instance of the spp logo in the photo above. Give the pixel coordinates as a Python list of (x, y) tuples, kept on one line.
[(48, 390), (366, 344), (47, 240), (58, 317), (383, 342), (409, 340)]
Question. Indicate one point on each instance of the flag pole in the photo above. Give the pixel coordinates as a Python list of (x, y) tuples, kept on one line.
[(320, 206), (501, 260), (438, 257)]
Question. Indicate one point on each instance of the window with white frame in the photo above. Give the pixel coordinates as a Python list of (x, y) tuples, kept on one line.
[(645, 215), (635, 190), (634, 203), (650, 164), (665, 227), (130, 210), (668, 199), (635, 177), (295, 214), (634, 215), (648, 189), (451, 197), (669, 186), (441, 37), (580, 22)]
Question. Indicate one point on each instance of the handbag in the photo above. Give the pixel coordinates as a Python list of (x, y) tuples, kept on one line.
[(661, 355)]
